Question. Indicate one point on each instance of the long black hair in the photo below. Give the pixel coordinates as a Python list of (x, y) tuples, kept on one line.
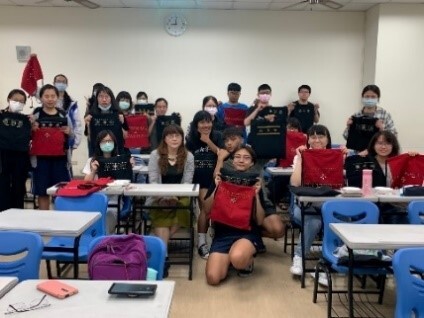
[(100, 136), (201, 115), (320, 130)]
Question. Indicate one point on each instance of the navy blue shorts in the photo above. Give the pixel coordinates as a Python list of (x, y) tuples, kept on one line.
[(222, 244), (49, 171)]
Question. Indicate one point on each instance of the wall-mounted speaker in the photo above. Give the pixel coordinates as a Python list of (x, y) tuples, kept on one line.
[(23, 53)]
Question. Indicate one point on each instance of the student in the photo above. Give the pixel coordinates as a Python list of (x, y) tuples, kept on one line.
[(49, 170), (232, 246), (124, 102), (105, 103), (256, 112), (105, 147), (233, 104), (210, 104), (318, 138), (384, 145), (161, 107), (70, 106), (370, 99), (295, 109), (89, 105), (14, 165), (142, 98), (170, 163), (204, 143)]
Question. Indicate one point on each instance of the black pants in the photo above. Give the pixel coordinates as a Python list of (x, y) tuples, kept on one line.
[(14, 167)]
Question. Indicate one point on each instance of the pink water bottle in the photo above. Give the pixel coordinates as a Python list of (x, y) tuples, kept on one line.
[(366, 182)]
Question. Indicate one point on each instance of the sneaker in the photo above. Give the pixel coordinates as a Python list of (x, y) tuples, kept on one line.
[(246, 272), (296, 268), (203, 251), (322, 278), (316, 249)]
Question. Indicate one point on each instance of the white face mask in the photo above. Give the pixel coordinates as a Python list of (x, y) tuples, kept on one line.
[(16, 107), (211, 110), (142, 101)]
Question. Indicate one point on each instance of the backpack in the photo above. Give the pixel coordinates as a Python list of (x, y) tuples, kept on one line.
[(118, 257)]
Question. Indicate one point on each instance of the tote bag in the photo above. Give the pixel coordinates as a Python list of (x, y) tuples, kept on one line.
[(360, 132), (15, 131), (294, 140), (406, 170), (138, 132), (322, 167), (233, 205)]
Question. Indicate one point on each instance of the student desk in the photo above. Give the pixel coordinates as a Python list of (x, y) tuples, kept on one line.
[(279, 171), (50, 223), (376, 236), (6, 284), (163, 190), (303, 202), (92, 300)]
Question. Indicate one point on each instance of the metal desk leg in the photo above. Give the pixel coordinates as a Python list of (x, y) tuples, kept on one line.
[(76, 256), (190, 272), (350, 283), (302, 246), (118, 224)]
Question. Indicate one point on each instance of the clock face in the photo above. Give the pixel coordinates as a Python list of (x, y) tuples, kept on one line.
[(175, 24)]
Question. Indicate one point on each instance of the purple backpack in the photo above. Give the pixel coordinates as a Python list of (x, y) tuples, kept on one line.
[(118, 257)]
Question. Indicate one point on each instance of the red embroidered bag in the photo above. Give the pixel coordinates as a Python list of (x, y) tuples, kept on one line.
[(322, 167), (406, 170), (138, 132), (81, 188), (294, 140), (233, 205), (48, 141), (234, 116)]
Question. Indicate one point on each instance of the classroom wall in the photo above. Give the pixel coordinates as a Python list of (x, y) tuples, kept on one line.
[(371, 41), (400, 69), (129, 49)]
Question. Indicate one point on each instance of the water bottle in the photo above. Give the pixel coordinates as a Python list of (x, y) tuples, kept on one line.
[(366, 182)]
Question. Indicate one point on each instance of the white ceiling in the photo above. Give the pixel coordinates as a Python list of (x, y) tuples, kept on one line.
[(348, 5)]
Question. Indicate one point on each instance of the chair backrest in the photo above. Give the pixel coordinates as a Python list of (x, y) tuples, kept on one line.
[(95, 202), (409, 286), (416, 212), (344, 211), (156, 252), (14, 243)]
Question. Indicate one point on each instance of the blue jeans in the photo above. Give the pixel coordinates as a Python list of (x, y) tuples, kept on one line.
[(311, 228)]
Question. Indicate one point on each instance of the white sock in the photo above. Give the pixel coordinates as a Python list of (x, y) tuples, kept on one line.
[(202, 239)]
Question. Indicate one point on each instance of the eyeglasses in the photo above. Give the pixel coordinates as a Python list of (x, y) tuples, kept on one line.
[(383, 144), (234, 92), (23, 307), (317, 137), (240, 157)]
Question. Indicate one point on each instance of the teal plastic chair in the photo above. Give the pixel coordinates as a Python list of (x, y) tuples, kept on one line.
[(408, 267), (416, 212), (14, 243), (95, 202), (345, 211), (156, 252)]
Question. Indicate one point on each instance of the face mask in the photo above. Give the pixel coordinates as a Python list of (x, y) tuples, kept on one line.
[(107, 147), (142, 101), (16, 107), (264, 98), (124, 105), (105, 108), (211, 110), (61, 87), (369, 102)]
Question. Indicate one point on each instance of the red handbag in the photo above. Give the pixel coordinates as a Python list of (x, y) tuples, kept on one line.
[(81, 188), (322, 167), (294, 140), (233, 205), (48, 141), (138, 132), (234, 116), (406, 170)]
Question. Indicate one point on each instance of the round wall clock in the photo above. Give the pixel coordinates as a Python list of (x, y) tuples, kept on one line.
[(175, 24)]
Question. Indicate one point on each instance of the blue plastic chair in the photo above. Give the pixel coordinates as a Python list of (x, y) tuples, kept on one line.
[(96, 202), (344, 211), (409, 287), (156, 252), (14, 243), (416, 212)]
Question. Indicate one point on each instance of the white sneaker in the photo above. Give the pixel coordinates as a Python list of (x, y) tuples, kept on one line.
[(316, 249), (322, 278), (296, 268)]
